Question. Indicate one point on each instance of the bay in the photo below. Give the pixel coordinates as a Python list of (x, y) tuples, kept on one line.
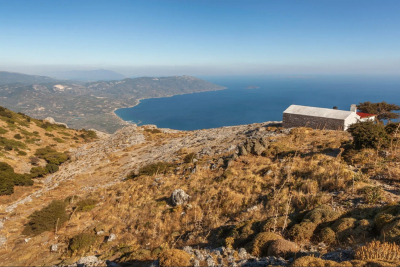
[(237, 105)]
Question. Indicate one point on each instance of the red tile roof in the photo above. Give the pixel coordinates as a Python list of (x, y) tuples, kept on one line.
[(365, 115)]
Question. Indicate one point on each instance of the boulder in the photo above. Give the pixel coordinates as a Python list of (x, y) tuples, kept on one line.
[(282, 248), (179, 197), (88, 260)]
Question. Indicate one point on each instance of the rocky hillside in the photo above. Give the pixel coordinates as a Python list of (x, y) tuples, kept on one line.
[(250, 195), (30, 149)]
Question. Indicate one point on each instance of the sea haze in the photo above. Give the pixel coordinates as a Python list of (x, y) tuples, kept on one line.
[(237, 105)]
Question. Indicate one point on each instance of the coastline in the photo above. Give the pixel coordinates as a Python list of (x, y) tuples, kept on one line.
[(137, 102)]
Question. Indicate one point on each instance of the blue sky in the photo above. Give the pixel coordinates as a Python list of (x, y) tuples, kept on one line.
[(202, 37)]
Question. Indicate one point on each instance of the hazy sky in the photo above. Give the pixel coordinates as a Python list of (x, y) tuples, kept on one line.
[(201, 37)]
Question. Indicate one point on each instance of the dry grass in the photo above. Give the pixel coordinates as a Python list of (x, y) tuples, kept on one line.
[(376, 250), (138, 211)]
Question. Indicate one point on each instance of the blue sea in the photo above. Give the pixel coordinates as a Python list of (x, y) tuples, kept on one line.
[(237, 105)]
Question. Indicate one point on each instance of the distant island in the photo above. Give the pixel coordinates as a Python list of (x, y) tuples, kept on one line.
[(252, 87)]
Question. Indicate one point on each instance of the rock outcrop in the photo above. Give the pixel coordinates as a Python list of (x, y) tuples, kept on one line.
[(179, 197)]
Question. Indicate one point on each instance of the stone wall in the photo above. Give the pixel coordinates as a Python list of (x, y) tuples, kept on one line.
[(295, 120)]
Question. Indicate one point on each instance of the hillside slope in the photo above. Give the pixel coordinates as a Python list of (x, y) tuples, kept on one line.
[(139, 194)]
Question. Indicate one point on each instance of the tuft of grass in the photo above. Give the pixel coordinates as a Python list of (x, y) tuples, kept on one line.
[(376, 250), (86, 204), (82, 243)]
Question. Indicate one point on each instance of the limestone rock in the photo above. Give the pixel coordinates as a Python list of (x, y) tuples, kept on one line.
[(112, 237), (88, 260), (54, 248), (179, 197)]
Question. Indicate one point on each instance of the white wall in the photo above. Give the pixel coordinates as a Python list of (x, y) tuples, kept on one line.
[(353, 118)]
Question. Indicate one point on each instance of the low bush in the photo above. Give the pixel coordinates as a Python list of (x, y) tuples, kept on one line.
[(51, 168), (51, 155), (22, 153), (86, 204), (152, 169), (88, 134), (321, 214), (3, 131), (174, 257), (368, 135), (4, 142), (373, 194), (18, 136), (261, 242), (47, 218), (8, 178), (58, 140), (302, 231), (37, 172), (82, 243)]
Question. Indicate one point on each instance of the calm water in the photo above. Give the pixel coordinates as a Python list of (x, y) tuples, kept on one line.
[(236, 105)]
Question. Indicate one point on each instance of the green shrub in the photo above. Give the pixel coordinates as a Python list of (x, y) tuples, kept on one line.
[(6, 185), (391, 128), (321, 214), (4, 142), (18, 136), (3, 131), (49, 134), (260, 244), (88, 134), (86, 204), (22, 153), (368, 135), (8, 178), (47, 218), (152, 169), (82, 243), (5, 113), (327, 235), (51, 168), (58, 140), (37, 172), (302, 231), (51, 155)]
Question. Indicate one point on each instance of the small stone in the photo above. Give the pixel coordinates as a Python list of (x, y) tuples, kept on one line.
[(188, 249), (242, 254), (210, 261), (198, 255), (27, 240), (196, 263), (112, 237), (100, 233), (54, 248)]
